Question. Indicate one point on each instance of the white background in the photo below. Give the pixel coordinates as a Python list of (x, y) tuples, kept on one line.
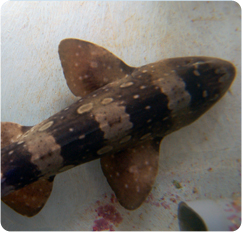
[(203, 157)]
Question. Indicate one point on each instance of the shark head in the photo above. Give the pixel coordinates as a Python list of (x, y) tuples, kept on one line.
[(206, 80)]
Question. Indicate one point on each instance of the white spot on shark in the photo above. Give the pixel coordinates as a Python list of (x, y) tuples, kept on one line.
[(205, 93), (145, 136), (46, 126), (107, 100), (104, 150), (93, 64), (125, 139), (127, 84), (136, 96), (18, 136), (196, 73), (85, 108), (142, 87), (81, 136)]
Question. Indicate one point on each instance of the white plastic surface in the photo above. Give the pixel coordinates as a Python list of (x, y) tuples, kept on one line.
[(219, 214), (212, 215), (204, 158)]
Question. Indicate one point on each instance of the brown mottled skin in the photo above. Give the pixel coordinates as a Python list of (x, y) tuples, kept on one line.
[(122, 117)]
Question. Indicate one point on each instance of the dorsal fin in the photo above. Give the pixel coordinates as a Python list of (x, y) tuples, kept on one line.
[(10, 132), (29, 200), (88, 66), (131, 173)]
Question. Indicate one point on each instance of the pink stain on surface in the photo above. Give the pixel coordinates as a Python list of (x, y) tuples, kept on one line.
[(151, 200), (232, 217), (233, 227), (113, 198), (110, 213), (228, 210), (102, 224), (173, 199), (165, 205), (236, 207), (108, 216)]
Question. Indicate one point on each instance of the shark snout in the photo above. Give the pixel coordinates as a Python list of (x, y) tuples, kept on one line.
[(227, 72), (217, 75)]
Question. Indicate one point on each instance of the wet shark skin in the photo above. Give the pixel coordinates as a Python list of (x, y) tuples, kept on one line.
[(80, 135), (143, 105)]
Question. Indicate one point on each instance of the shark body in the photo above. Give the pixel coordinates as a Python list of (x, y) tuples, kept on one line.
[(121, 118)]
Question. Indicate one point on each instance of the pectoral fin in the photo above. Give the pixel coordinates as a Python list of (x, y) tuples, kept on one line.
[(88, 67), (29, 200), (131, 173)]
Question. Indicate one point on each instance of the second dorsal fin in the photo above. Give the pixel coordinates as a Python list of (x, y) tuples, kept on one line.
[(88, 66)]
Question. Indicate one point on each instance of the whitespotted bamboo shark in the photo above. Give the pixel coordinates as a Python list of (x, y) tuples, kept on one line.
[(121, 118)]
